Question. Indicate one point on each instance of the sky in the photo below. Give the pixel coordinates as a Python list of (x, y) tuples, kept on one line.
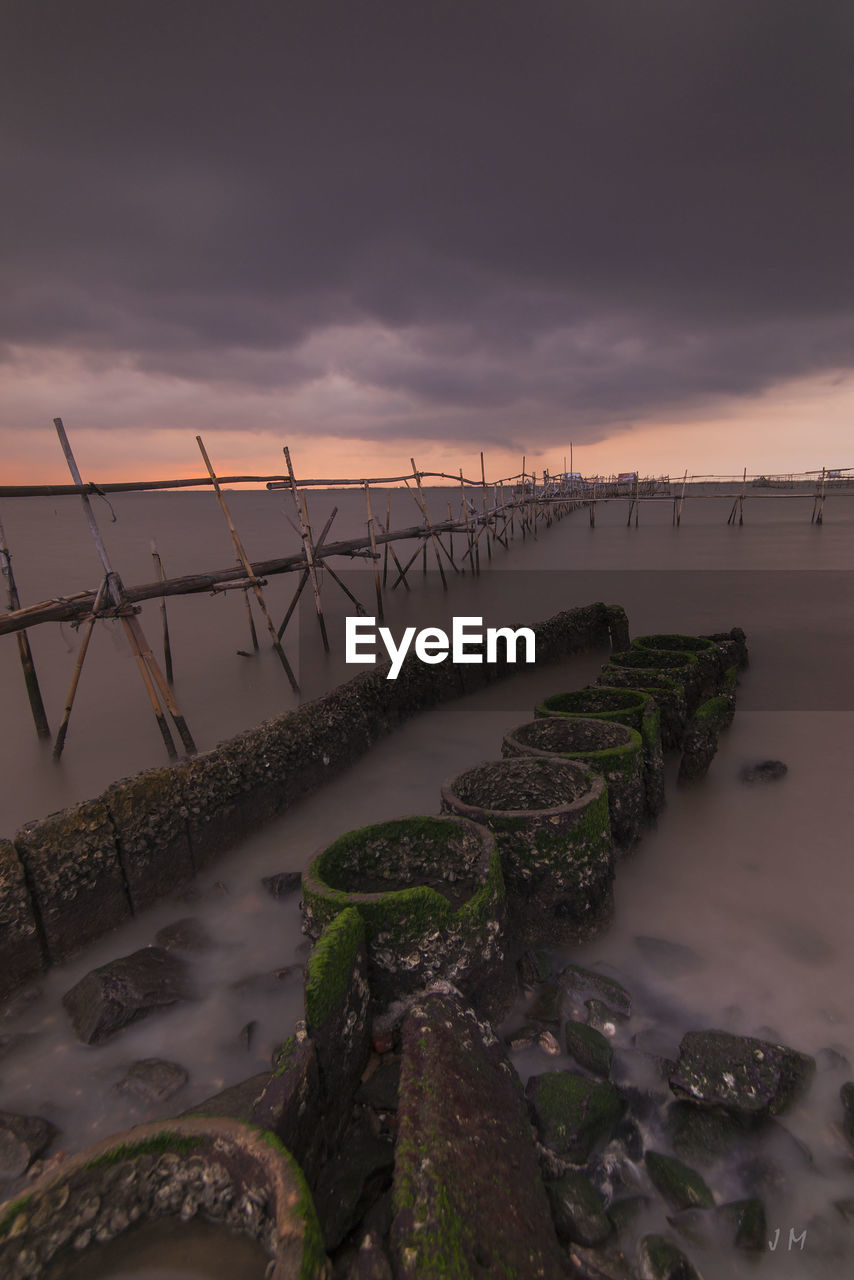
[(616, 230)]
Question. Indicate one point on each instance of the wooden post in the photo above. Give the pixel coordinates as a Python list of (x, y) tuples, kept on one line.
[(152, 676), (817, 516), (167, 647), (469, 540), (31, 680), (485, 516), (430, 529), (59, 744), (244, 560), (388, 530), (377, 584), (308, 549)]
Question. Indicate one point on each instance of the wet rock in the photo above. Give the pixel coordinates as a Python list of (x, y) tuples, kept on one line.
[(589, 1048), (525, 1038), (546, 1010), (746, 1223), (291, 1102), (574, 1115), (22, 1139), (153, 1079), (765, 771), (188, 934), (702, 1134), (237, 1101), (578, 1210), (371, 1261), (748, 1076), (380, 1090), (533, 968), (282, 885), (125, 990), (549, 1043), (623, 1213), (465, 1156), (344, 1188), (670, 959), (582, 984), (602, 1018), (658, 1258), (681, 1186)]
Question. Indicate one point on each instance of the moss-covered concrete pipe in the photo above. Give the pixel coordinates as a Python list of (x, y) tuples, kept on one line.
[(551, 824), (668, 693), (219, 1169), (69, 878), (710, 657), (631, 707), (614, 750), (431, 894), (683, 667)]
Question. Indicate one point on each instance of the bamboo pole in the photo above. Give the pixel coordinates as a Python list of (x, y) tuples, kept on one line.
[(377, 584), (149, 670), (387, 528), (308, 549), (28, 666), (59, 743), (247, 567), (167, 647), (485, 516), (432, 535)]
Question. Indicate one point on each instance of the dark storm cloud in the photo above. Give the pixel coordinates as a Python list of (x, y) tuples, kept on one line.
[(597, 210)]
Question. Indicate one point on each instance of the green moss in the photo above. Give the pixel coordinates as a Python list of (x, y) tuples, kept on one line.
[(329, 967), (674, 643), (313, 1252), (12, 1212), (284, 1056), (619, 706), (680, 1185), (715, 711)]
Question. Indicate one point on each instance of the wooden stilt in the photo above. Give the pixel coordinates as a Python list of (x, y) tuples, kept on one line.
[(167, 647), (293, 604), (150, 671), (377, 583), (31, 680), (244, 560), (430, 530), (388, 530), (59, 743), (308, 548), (485, 515)]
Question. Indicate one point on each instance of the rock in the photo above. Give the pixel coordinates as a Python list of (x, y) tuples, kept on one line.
[(380, 1090), (153, 1079), (282, 885), (578, 1210), (124, 990), (344, 1188), (21, 951), (188, 934), (748, 1076), (581, 984), (681, 1186), (22, 1139), (533, 967), (237, 1101), (766, 771), (601, 1018), (702, 1134), (371, 1262), (546, 1009), (468, 1196), (291, 1102), (659, 1258), (574, 1115), (671, 959), (746, 1223), (590, 1050), (549, 1043), (624, 1213), (525, 1038)]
